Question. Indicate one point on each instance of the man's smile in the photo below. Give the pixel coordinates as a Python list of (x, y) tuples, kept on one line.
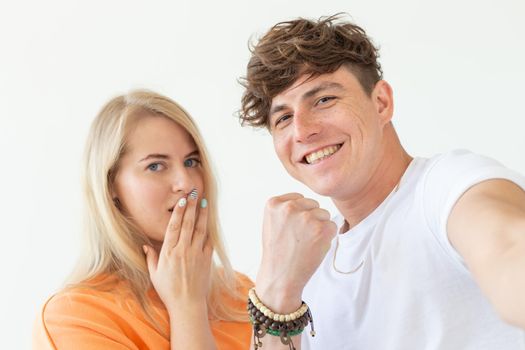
[(319, 155)]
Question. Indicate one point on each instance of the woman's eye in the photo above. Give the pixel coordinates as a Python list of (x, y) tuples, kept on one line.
[(155, 167), (191, 162)]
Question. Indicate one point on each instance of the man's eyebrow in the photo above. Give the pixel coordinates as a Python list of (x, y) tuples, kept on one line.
[(323, 86), (308, 94), (277, 108)]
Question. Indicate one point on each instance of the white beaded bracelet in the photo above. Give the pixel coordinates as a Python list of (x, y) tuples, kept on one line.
[(273, 315)]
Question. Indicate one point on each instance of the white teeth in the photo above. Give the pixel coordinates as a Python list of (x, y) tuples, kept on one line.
[(321, 154)]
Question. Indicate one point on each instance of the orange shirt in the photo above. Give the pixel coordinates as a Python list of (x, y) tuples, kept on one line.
[(82, 319)]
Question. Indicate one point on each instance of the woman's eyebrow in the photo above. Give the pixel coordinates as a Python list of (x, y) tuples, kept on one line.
[(192, 153), (165, 156), (155, 156)]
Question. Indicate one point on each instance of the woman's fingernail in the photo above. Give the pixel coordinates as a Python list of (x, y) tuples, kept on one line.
[(182, 202), (145, 249), (204, 203), (193, 194)]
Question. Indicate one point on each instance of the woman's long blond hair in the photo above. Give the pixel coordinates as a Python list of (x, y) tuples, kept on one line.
[(114, 244)]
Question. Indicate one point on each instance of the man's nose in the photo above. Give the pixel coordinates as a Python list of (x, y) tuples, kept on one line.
[(306, 126)]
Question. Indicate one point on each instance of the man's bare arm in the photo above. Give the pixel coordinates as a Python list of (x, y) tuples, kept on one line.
[(487, 228)]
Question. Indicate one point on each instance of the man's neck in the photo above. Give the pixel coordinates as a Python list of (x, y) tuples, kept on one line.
[(383, 181)]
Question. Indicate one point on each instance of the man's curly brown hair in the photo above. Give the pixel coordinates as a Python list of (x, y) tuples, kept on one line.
[(293, 48)]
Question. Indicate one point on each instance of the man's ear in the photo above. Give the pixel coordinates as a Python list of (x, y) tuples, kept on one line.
[(383, 99)]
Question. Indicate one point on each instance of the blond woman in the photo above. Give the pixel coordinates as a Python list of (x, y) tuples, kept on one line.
[(147, 278)]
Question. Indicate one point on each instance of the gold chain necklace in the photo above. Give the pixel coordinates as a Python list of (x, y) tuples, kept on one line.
[(340, 271), (362, 261)]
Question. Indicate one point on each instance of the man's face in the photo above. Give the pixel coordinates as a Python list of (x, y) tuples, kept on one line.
[(328, 132)]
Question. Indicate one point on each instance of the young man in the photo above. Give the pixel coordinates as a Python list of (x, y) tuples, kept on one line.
[(424, 253)]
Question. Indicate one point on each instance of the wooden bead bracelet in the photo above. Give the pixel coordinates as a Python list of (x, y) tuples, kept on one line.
[(264, 320)]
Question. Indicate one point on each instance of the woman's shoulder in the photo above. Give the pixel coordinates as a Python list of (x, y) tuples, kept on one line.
[(75, 309), (79, 300), (89, 294)]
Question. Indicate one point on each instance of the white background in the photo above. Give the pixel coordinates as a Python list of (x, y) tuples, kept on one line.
[(456, 68)]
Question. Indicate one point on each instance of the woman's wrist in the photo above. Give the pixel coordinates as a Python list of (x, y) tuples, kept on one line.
[(181, 308), (190, 327)]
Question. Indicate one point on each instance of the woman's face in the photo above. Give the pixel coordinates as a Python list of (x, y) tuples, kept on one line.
[(161, 164)]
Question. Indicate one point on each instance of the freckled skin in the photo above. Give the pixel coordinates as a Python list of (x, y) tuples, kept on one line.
[(339, 114)]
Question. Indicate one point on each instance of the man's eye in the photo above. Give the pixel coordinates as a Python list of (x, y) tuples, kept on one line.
[(325, 99), (282, 119), (155, 167), (191, 162)]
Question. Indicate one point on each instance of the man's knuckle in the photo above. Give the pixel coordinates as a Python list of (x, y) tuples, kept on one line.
[(289, 208), (273, 202), (306, 216)]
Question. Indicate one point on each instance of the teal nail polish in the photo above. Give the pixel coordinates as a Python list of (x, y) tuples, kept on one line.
[(182, 202), (204, 203)]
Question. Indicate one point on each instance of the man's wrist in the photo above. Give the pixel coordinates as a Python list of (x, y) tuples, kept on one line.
[(278, 300)]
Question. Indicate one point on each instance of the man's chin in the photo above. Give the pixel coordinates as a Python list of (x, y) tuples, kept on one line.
[(324, 189)]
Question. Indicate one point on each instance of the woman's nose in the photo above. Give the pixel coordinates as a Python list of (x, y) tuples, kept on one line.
[(182, 182)]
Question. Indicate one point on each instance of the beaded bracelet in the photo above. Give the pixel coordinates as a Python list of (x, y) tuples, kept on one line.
[(275, 316), (265, 321)]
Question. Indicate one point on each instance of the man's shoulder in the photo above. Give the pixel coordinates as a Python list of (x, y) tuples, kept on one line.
[(461, 157), (455, 164)]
